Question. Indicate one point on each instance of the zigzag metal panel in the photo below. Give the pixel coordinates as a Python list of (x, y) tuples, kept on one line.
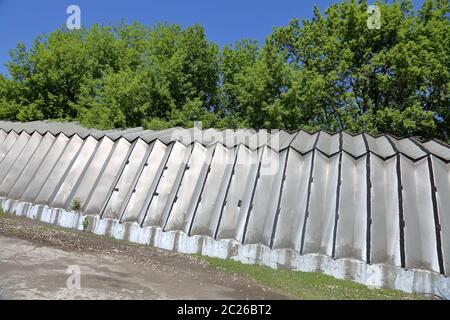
[(378, 200)]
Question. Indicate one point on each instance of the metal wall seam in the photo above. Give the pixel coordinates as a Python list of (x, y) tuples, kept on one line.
[(338, 194), (249, 207), (89, 178), (148, 200), (173, 195), (280, 195), (126, 175), (197, 197), (369, 200), (136, 178), (420, 228), (157, 159), (351, 230), (117, 177), (165, 184), (263, 209), (224, 190), (437, 223), (308, 199), (321, 221), (213, 222), (272, 238), (433, 190), (232, 174), (66, 182), (400, 203), (441, 171), (27, 174), (106, 179), (208, 209), (287, 233), (68, 203), (191, 179), (385, 230), (233, 215)]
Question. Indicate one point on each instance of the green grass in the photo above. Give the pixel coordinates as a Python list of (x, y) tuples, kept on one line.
[(2, 213), (306, 285)]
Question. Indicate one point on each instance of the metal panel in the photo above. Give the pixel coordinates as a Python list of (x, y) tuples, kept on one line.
[(3, 136), (134, 162), (64, 190), (229, 138), (438, 148), (91, 174), (352, 222), (8, 144), (255, 141), (41, 175), (246, 160), (173, 166), (380, 146), (281, 140), (19, 185), (293, 202), (13, 153), (328, 144), (321, 219), (385, 240), (59, 170), (442, 180), (304, 142), (420, 235), (264, 204), (178, 217), (353, 144), (10, 176), (110, 169), (247, 197), (408, 148), (148, 175), (211, 136), (210, 203)]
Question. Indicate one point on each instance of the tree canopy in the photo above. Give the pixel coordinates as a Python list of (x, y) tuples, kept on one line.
[(328, 72)]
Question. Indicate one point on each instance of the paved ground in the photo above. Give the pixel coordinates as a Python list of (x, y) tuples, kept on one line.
[(34, 262)]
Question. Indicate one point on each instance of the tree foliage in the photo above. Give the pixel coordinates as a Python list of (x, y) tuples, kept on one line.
[(329, 72)]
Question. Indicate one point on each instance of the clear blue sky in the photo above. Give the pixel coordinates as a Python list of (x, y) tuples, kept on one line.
[(225, 21)]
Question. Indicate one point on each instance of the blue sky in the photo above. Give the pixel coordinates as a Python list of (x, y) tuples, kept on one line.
[(224, 21)]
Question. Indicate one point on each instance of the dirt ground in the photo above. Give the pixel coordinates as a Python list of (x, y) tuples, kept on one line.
[(37, 261)]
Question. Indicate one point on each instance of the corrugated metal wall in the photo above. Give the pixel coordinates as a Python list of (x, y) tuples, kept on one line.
[(380, 200)]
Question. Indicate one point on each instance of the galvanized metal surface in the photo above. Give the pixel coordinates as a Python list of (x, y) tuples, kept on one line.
[(377, 200)]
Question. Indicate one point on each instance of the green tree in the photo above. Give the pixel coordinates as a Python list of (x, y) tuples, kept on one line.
[(393, 79), (330, 72)]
